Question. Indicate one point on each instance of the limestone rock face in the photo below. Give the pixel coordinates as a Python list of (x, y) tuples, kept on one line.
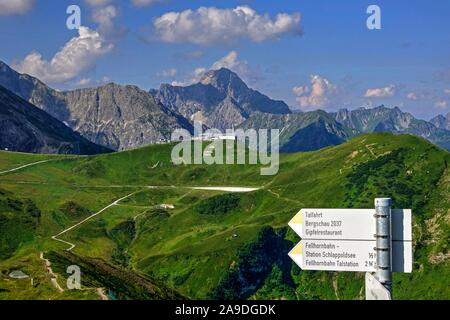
[(394, 120), (121, 117), (221, 97), (115, 116), (442, 122), (26, 128)]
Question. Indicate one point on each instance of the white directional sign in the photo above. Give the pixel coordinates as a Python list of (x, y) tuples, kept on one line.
[(375, 290), (344, 240), (348, 224), (349, 255)]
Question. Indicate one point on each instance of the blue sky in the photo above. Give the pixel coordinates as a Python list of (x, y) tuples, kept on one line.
[(336, 62)]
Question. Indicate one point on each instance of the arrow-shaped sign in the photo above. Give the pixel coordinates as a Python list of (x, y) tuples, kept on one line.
[(348, 224), (344, 240)]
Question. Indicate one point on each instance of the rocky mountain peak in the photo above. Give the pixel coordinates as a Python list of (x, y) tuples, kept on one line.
[(224, 80), (343, 114), (441, 121), (221, 97)]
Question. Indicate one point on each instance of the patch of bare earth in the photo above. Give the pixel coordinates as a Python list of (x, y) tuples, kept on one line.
[(53, 276), (354, 154)]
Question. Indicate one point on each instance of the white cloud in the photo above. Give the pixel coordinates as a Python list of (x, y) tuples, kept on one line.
[(75, 58), (317, 95), (301, 90), (194, 77), (83, 82), (104, 18), (231, 62), (412, 96), (104, 14), (447, 91), (168, 73), (210, 25), (442, 104), (15, 7), (385, 92)]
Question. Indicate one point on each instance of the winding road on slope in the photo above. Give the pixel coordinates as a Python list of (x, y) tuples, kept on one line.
[(101, 291), (55, 237), (24, 166), (72, 246), (115, 203)]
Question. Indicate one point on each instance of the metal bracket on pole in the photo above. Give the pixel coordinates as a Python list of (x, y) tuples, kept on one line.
[(384, 242)]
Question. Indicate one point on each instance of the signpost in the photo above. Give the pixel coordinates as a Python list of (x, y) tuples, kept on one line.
[(384, 221), (356, 240), (375, 289)]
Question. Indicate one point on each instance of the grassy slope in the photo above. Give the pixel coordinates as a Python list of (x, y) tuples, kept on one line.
[(11, 160), (194, 252)]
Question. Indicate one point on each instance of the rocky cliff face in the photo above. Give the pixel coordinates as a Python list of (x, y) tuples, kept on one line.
[(118, 117), (302, 131), (221, 100), (25, 128), (442, 122), (315, 136), (367, 120), (34, 91), (121, 117), (392, 120)]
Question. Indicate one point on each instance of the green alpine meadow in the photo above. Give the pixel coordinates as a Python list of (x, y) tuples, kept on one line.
[(140, 227)]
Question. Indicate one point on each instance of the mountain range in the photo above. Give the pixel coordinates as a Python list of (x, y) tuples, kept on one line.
[(115, 116), (442, 122), (122, 117), (382, 119), (25, 128), (302, 131), (220, 100)]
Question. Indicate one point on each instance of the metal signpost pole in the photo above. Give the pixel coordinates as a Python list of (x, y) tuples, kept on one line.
[(384, 242), (358, 240)]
